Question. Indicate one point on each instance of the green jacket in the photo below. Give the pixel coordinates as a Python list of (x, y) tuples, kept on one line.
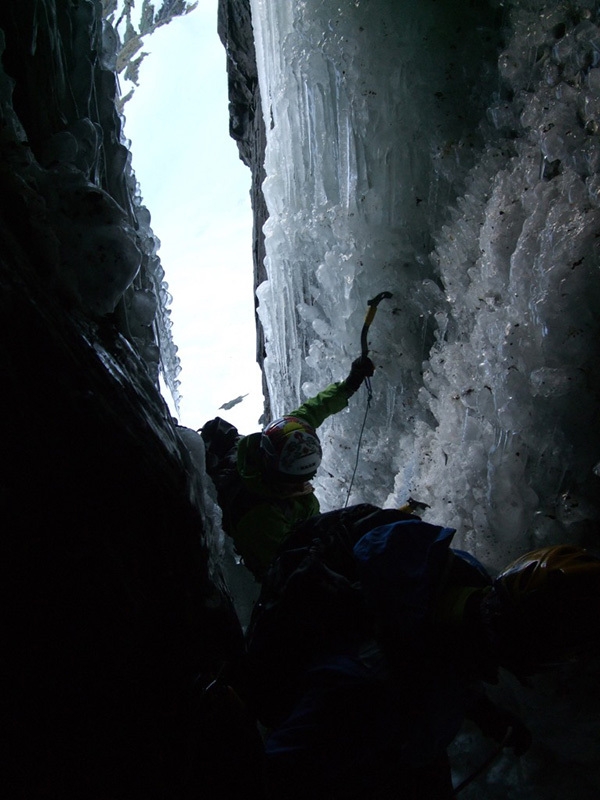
[(264, 513)]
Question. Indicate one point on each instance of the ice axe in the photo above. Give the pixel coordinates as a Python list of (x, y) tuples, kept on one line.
[(371, 311), (370, 316)]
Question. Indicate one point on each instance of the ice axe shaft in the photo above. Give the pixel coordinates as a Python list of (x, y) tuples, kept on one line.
[(371, 311)]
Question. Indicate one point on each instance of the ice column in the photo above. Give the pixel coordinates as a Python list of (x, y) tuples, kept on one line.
[(417, 152), (453, 160)]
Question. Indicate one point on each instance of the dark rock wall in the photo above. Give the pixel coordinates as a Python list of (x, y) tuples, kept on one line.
[(116, 619), (246, 126)]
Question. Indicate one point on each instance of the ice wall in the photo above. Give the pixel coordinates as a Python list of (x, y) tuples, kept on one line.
[(448, 154)]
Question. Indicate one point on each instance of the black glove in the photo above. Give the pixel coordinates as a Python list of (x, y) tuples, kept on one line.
[(501, 725), (361, 368)]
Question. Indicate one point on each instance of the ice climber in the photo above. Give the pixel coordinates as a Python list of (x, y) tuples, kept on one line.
[(263, 479), (372, 641)]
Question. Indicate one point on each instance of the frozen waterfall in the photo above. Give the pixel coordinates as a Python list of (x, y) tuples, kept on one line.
[(447, 153), (404, 155)]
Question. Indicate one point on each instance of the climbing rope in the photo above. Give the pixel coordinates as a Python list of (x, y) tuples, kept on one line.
[(367, 407)]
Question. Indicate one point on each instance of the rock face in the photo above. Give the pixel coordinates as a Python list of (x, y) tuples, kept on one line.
[(119, 617), (246, 126)]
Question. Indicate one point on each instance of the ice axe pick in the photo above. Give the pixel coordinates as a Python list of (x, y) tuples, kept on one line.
[(371, 311), (370, 316)]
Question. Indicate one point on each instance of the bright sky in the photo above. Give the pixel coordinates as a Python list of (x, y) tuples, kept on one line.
[(197, 191)]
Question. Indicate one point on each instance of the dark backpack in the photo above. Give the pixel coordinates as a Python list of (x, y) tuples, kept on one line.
[(311, 605)]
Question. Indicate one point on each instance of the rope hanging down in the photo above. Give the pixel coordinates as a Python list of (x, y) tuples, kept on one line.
[(370, 316)]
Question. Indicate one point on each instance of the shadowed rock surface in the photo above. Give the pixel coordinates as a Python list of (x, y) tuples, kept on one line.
[(246, 126), (119, 618)]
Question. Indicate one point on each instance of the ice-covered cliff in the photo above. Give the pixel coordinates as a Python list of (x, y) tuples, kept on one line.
[(447, 153)]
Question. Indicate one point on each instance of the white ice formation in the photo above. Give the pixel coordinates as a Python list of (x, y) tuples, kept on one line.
[(403, 155), (448, 153)]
